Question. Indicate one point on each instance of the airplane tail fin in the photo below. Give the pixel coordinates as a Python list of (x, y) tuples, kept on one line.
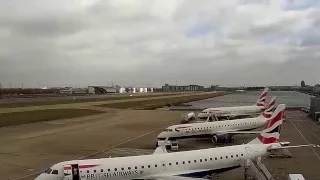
[(262, 98), (271, 133), (268, 112)]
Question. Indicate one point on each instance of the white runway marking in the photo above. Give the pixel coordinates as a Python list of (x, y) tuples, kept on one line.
[(102, 151), (305, 139), (313, 131)]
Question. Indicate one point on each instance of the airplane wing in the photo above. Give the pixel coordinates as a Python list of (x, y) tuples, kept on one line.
[(162, 147), (272, 148), (175, 178)]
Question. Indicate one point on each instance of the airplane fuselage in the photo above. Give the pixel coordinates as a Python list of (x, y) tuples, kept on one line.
[(197, 163), (230, 111), (208, 129)]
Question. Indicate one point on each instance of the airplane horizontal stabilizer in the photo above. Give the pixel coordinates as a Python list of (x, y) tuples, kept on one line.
[(272, 148)]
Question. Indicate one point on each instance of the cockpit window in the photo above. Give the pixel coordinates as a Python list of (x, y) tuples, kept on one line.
[(48, 171), (168, 130), (54, 172)]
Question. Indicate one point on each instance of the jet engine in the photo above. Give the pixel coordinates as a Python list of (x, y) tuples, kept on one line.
[(222, 138)]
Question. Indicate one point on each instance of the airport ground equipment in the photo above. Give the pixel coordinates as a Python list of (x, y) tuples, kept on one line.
[(185, 118), (258, 169), (295, 177)]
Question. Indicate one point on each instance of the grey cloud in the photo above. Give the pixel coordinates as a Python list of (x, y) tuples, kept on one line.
[(44, 26), (134, 45), (311, 40)]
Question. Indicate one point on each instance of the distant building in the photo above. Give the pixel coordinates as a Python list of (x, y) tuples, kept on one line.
[(102, 89), (173, 88), (303, 84), (80, 91), (316, 90), (70, 90), (281, 88), (314, 112), (66, 90), (122, 90)]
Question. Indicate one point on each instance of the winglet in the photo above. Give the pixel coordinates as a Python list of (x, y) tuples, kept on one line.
[(162, 148)]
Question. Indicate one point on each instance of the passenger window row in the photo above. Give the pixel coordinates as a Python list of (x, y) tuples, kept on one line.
[(177, 163), (204, 128)]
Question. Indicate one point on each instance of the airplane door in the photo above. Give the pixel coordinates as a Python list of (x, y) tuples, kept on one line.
[(249, 151), (67, 171), (71, 172)]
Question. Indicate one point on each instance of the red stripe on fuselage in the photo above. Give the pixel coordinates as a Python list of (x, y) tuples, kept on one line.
[(87, 166), (81, 167), (182, 127)]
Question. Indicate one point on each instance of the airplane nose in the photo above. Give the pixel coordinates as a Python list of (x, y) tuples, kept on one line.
[(162, 135), (200, 115), (40, 177)]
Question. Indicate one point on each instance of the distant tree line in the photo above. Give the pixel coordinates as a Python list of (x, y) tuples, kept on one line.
[(20, 91)]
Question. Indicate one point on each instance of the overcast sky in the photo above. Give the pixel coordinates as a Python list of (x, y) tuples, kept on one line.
[(148, 42)]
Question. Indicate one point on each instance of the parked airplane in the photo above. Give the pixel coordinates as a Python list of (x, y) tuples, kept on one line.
[(226, 112), (219, 131), (173, 166)]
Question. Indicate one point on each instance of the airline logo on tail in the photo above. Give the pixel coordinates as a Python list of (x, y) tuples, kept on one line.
[(271, 133), (268, 112), (262, 99)]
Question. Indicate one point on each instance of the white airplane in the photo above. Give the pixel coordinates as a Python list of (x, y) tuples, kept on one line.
[(219, 131), (226, 112), (173, 166)]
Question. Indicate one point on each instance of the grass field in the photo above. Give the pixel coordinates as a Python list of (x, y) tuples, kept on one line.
[(158, 103), (69, 100), (17, 118)]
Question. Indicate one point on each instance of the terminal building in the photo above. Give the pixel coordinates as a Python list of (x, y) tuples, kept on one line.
[(314, 112), (117, 89)]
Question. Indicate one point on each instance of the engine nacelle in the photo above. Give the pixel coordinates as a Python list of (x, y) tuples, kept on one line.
[(222, 138)]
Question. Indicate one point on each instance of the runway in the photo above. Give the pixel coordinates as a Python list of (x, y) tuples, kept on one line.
[(28, 149)]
